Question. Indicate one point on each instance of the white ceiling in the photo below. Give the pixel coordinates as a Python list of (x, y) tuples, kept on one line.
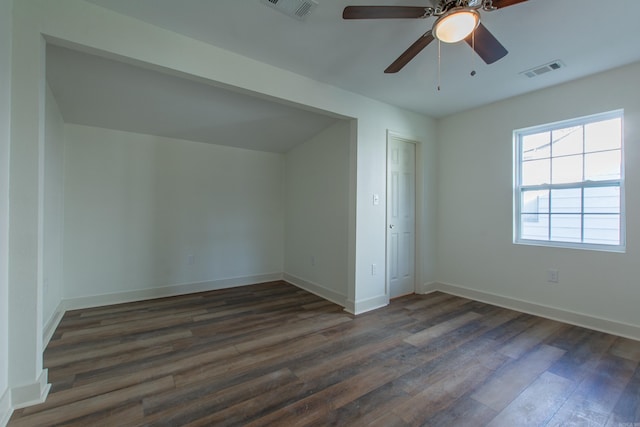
[(588, 36)]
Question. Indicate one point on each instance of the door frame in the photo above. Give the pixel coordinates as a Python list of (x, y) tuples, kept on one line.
[(419, 190)]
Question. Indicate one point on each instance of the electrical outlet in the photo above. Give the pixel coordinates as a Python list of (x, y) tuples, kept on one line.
[(553, 276), (374, 269), (313, 260), (191, 259)]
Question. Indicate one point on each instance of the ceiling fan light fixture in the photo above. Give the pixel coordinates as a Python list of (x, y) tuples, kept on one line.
[(456, 24)]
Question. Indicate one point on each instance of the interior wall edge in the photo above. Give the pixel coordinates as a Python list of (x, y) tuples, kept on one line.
[(6, 409), (316, 289), (165, 291), (365, 305), (577, 319)]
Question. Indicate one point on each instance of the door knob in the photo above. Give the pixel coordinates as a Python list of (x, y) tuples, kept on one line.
[(391, 225)]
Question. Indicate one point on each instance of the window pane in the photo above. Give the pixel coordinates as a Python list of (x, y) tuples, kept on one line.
[(536, 146), (566, 228), (602, 229), (536, 172), (533, 203), (567, 169), (566, 201), (567, 141), (602, 200), (534, 230), (605, 135), (602, 166)]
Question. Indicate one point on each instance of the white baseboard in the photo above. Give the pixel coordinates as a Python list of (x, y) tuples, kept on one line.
[(352, 307), (31, 394), (165, 291), (426, 288), (566, 316), (362, 306), (316, 289), (6, 409), (52, 324)]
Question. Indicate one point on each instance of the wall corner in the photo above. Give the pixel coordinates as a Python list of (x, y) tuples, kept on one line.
[(426, 288)]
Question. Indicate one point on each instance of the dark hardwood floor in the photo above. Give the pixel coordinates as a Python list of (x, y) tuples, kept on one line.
[(271, 354)]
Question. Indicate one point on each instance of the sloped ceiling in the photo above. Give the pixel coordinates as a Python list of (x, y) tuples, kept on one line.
[(95, 91)]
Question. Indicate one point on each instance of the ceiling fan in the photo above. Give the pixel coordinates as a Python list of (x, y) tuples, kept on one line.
[(456, 20)]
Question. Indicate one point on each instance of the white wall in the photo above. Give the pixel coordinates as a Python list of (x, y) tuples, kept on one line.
[(371, 219), (144, 212), (317, 213), (5, 133), (475, 193), (53, 208)]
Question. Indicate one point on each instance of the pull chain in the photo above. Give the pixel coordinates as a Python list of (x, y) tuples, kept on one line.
[(439, 60)]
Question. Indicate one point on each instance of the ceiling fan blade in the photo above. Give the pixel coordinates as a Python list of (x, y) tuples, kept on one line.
[(486, 45), (383, 12), (410, 53), (499, 4)]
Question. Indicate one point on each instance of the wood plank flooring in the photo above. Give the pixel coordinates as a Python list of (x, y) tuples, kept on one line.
[(272, 354)]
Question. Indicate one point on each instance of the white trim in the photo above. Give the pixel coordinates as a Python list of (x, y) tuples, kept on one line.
[(403, 136), (579, 319), (426, 288), (31, 394), (316, 289), (166, 291), (362, 306), (52, 324), (352, 217), (5, 408)]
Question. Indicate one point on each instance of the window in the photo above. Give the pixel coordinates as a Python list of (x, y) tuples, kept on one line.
[(569, 184)]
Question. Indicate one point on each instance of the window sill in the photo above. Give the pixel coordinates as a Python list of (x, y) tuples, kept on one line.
[(567, 245)]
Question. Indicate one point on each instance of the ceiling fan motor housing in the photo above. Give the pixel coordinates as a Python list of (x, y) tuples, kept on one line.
[(446, 5)]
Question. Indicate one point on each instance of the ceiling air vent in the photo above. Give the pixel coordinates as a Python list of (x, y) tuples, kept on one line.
[(543, 69), (298, 9)]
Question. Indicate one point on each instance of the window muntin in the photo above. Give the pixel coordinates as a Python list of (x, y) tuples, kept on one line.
[(569, 186)]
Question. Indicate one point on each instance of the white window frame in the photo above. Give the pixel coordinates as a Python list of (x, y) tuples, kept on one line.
[(518, 134)]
